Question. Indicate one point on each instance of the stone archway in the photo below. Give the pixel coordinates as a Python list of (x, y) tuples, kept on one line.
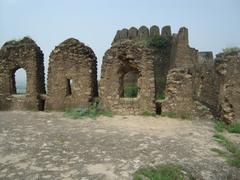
[(130, 84), (19, 85), (118, 60), (27, 55)]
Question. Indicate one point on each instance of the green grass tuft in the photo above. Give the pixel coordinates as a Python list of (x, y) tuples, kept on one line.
[(231, 50), (158, 42), (233, 151), (162, 172), (131, 90), (183, 115), (220, 126), (93, 112), (234, 128), (160, 96), (169, 114), (147, 113)]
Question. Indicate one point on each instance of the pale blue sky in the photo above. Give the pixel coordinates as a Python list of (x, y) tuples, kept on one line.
[(212, 24)]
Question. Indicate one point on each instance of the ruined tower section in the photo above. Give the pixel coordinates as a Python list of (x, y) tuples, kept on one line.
[(182, 55), (13, 56), (123, 58), (160, 42), (227, 67), (183, 94), (72, 76)]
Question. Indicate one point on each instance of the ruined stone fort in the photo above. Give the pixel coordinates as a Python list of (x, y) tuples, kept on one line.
[(164, 74)]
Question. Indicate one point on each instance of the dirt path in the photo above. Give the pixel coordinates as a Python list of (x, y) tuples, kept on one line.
[(38, 145)]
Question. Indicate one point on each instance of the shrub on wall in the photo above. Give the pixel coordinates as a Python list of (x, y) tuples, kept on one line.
[(131, 90), (231, 50), (158, 42)]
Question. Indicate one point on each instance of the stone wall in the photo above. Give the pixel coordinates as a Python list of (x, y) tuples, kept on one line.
[(142, 33), (205, 81), (228, 72), (191, 83), (179, 96), (72, 76), (119, 60), (13, 56), (195, 85)]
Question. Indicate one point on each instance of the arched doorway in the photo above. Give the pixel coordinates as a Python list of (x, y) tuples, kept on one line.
[(130, 86), (19, 81)]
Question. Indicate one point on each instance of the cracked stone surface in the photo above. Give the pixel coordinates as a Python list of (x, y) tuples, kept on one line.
[(40, 145)]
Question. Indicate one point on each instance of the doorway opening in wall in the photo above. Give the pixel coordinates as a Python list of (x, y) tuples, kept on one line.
[(19, 81), (130, 88), (41, 104), (69, 87)]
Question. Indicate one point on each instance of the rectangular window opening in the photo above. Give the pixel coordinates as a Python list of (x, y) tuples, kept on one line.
[(69, 87)]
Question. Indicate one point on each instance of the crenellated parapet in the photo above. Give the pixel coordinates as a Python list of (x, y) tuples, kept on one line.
[(181, 55), (142, 33)]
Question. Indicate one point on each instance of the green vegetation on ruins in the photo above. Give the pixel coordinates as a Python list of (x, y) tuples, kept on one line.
[(147, 113), (161, 83), (158, 42), (183, 115), (220, 126), (94, 111), (162, 172), (231, 50), (131, 91), (231, 152), (160, 96)]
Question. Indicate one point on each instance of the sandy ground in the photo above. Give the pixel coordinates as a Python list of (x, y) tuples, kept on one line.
[(40, 145)]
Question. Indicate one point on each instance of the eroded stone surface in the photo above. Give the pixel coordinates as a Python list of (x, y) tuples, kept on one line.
[(37, 145), (72, 76), (14, 55), (179, 96), (118, 61), (228, 72)]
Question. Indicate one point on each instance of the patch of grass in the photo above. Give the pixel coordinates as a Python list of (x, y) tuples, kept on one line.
[(93, 112), (234, 128), (161, 172), (61, 139), (233, 152), (182, 115), (220, 126), (170, 114), (160, 83), (160, 96), (158, 42), (131, 90), (147, 113), (185, 115)]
